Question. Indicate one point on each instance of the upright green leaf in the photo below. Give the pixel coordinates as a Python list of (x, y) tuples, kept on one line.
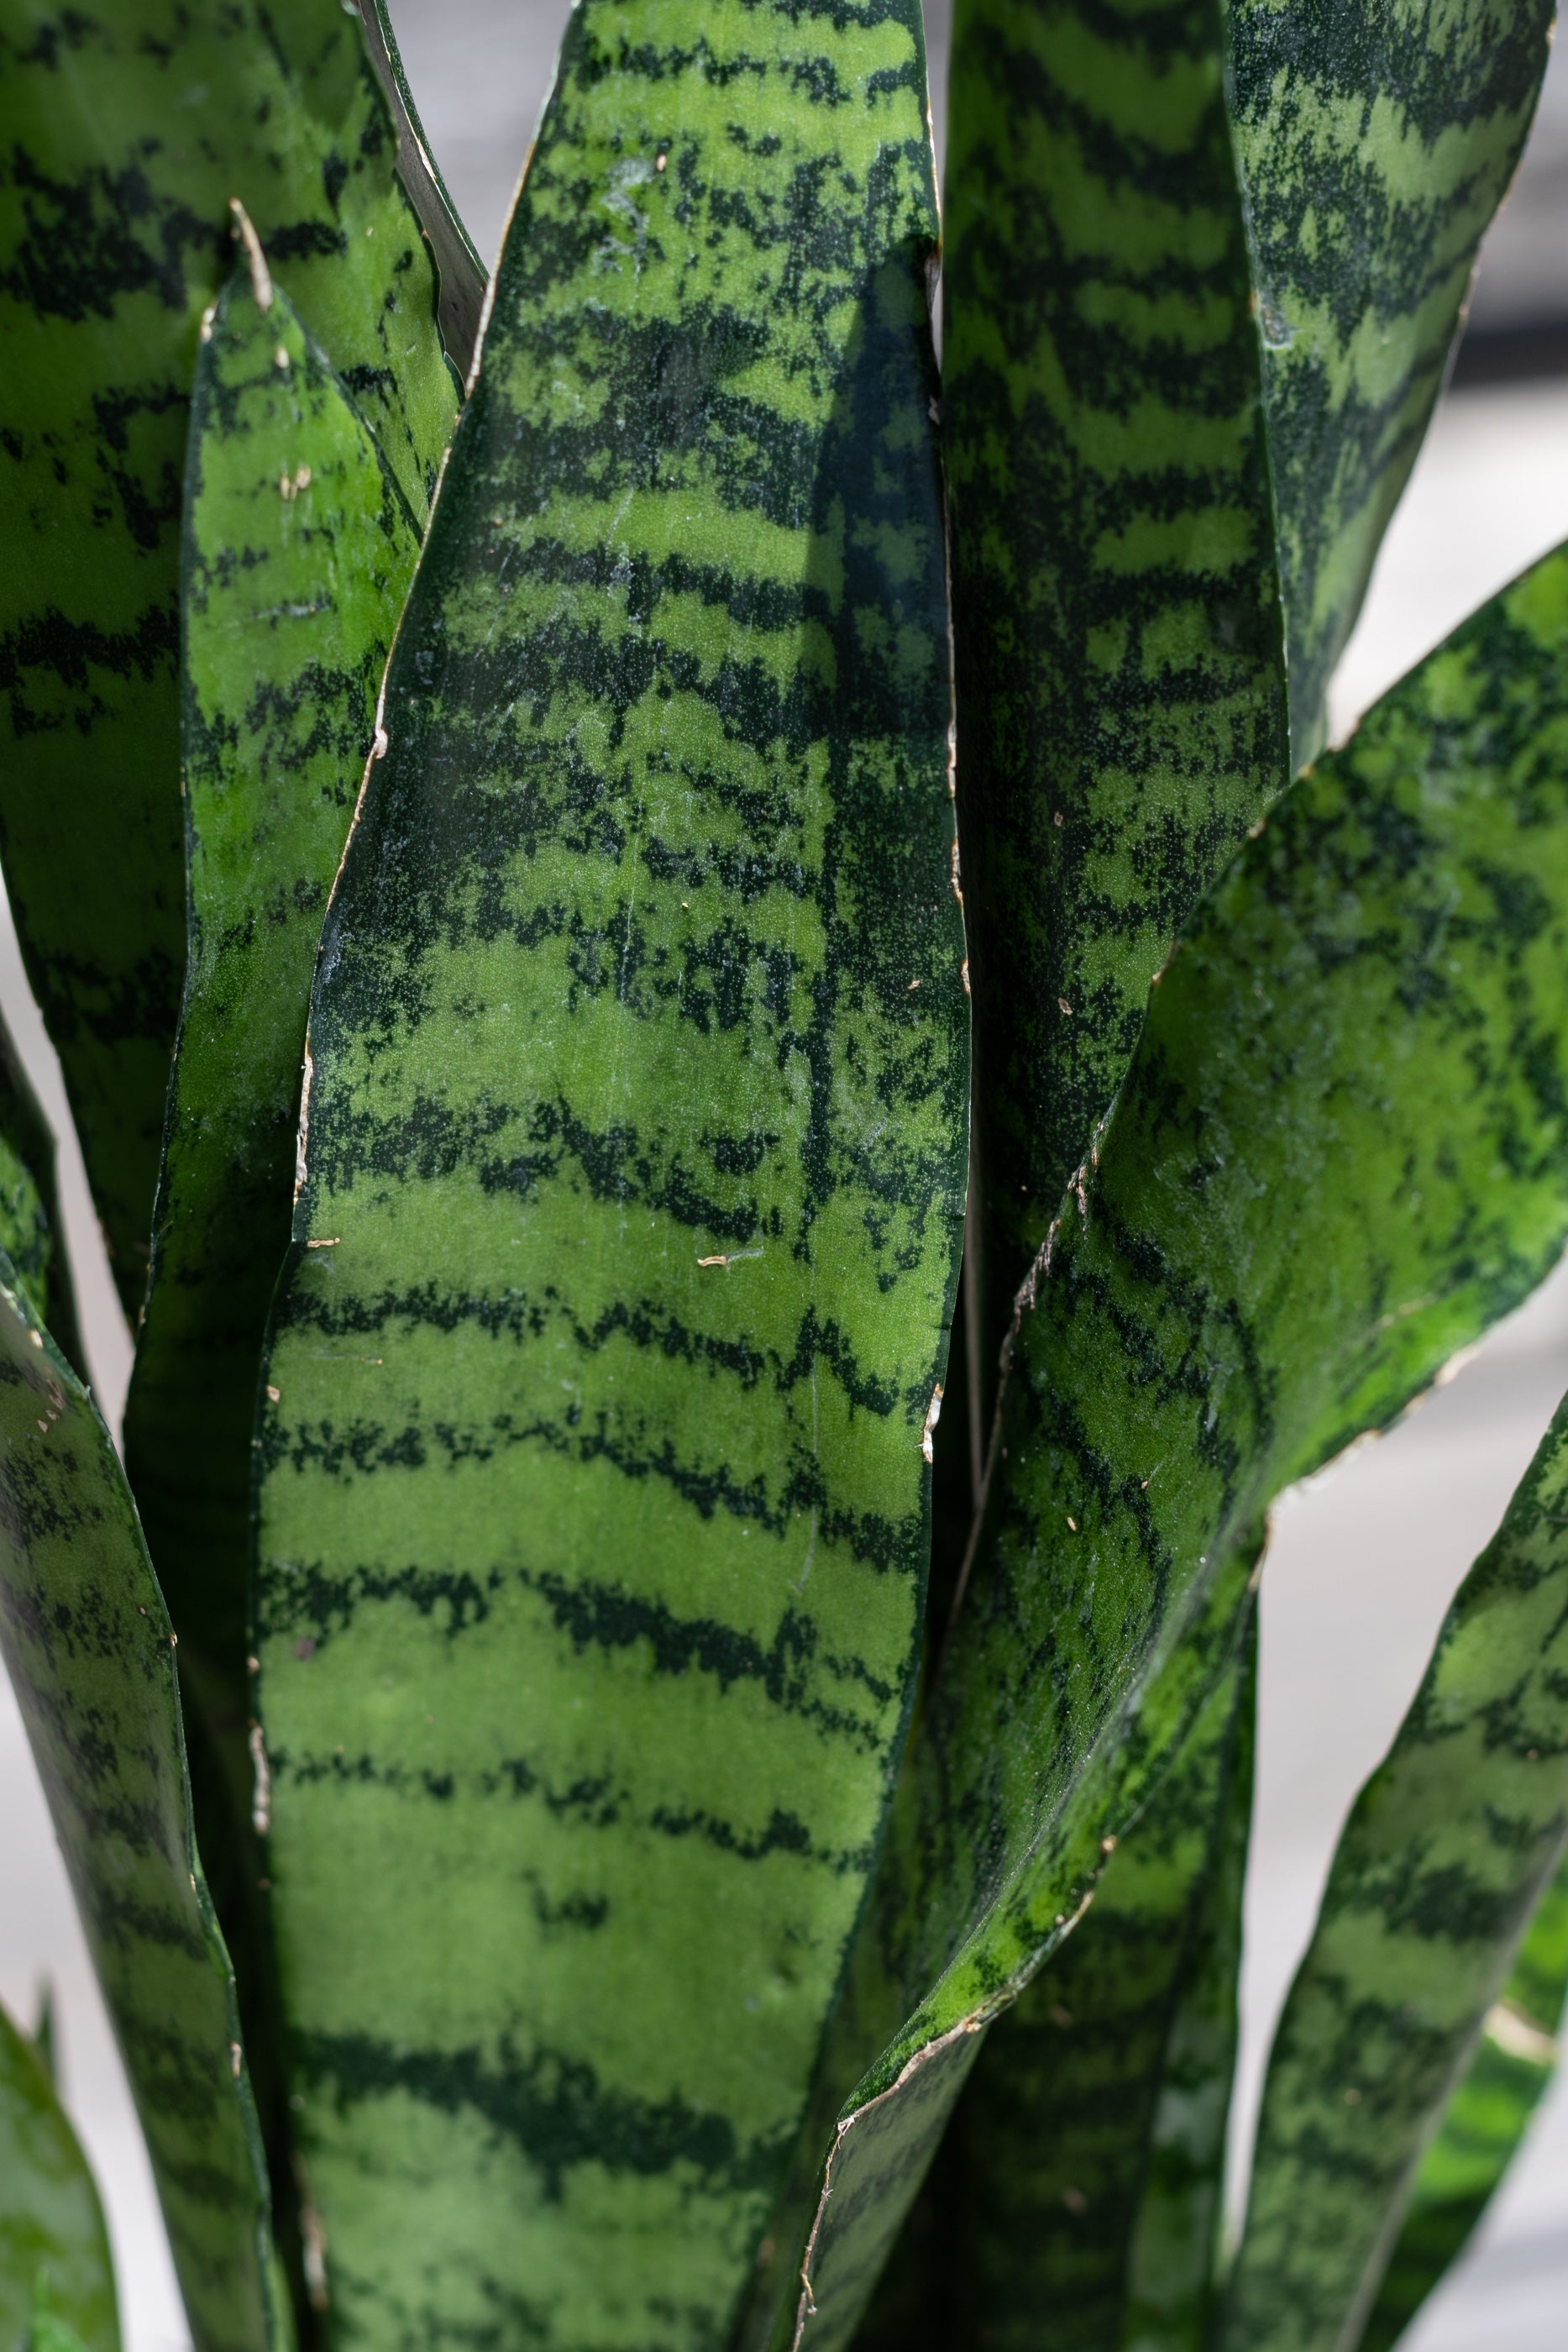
[(461, 274), (90, 1654), (1173, 2257), (57, 2281), (1442, 1862), (1339, 1154), (1026, 2225), (1376, 139), (1120, 661), (1483, 2123), (594, 1503), (298, 547), (32, 1235), (123, 136)]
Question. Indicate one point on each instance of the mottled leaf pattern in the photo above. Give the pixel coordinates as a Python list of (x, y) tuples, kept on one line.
[(299, 549), (1483, 2123), (595, 1500), (1027, 2219), (56, 2277), (88, 1644), (1442, 1862), (1120, 660), (32, 1235), (460, 272), (1376, 141), (1176, 2247), (1277, 1247), (123, 136)]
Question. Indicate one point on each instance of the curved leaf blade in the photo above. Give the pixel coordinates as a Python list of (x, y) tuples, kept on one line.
[(90, 1654), (1483, 2124), (1376, 139), (1273, 1250), (1029, 2217), (460, 301), (634, 1155), (125, 136), (1442, 1862), (56, 2276), (297, 550), (1119, 651)]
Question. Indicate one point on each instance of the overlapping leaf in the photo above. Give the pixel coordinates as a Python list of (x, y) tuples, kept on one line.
[(1043, 2185), (90, 1654), (1483, 2124), (1120, 660), (298, 547), (1273, 1249), (57, 2281), (594, 1507), (1443, 1861), (1376, 139), (123, 136)]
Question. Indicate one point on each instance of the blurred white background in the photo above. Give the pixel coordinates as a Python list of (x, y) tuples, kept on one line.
[(1363, 1564)]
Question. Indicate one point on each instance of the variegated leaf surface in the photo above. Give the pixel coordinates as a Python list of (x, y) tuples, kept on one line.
[(124, 134), (32, 1232), (297, 550), (1272, 1247), (1119, 651), (90, 1653), (594, 1503), (1483, 2124), (57, 2281), (1446, 1853), (1376, 139), (1027, 2222)]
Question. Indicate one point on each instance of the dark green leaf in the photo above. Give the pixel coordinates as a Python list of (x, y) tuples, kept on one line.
[(299, 549), (461, 272), (1483, 2124), (1028, 2219), (56, 2277), (124, 135), (1376, 139), (594, 1512), (1120, 660), (1441, 1863), (88, 1644), (32, 1235), (1274, 1246)]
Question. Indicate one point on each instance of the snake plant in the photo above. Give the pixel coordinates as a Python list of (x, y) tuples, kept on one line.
[(755, 1089)]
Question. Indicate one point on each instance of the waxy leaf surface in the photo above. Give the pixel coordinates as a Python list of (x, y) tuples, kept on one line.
[(1028, 2217), (1376, 139), (594, 1504), (88, 1644), (299, 549), (1441, 1863), (1119, 653), (57, 2281), (1277, 1248), (123, 136), (1483, 2124)]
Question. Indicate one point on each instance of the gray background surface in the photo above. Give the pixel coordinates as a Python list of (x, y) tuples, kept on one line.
[(1361, 1565)]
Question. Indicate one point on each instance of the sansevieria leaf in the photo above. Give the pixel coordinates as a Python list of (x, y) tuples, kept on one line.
[(594, 1502), (1376, 139), (32, 1235), (298, 547), (1484, 2121), (1441, 1863), (124, 134), (1272, 1247), (90, 1654), (1120, 657), (57, 2281), (1028, 2217)]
